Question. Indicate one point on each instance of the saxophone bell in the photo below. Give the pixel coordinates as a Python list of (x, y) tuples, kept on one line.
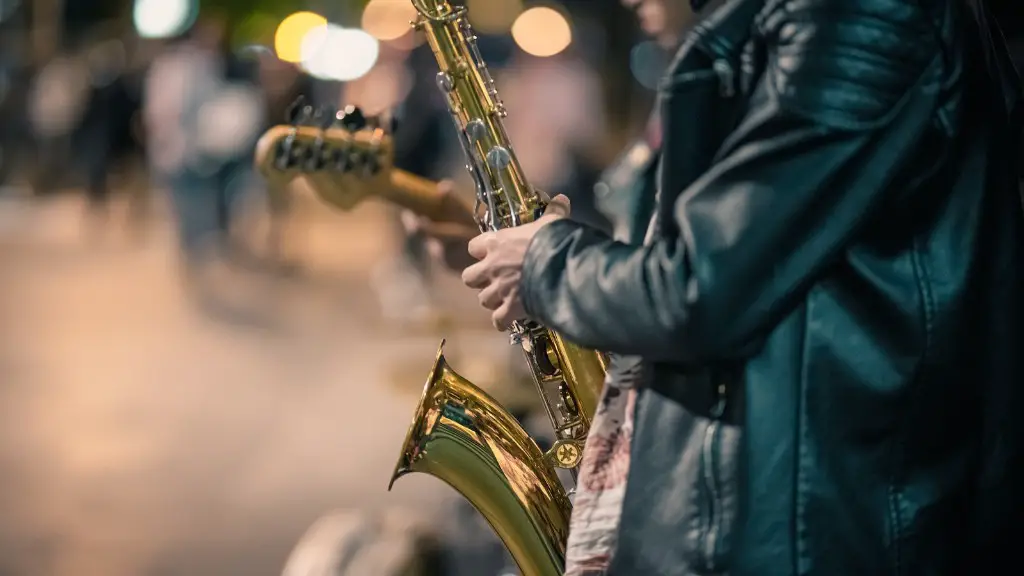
[(464, 437)]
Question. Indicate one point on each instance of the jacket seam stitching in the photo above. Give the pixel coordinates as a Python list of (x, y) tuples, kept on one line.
[(799, 546), (923, 282)]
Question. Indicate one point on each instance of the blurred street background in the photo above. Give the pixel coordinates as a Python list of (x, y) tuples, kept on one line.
[(192, 376), (193, 372)]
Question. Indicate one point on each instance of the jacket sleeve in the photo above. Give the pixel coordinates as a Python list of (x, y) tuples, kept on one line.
[(816, 155)]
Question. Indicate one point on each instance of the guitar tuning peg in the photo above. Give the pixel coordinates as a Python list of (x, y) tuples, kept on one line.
[(352, 118), (323, 117), (386, 122), (291, 114)]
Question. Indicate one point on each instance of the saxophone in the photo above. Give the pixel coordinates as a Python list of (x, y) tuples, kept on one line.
[(459, 433)]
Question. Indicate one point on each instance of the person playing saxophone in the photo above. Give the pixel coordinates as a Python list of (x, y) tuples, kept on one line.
[(828, 301), (625, 201)]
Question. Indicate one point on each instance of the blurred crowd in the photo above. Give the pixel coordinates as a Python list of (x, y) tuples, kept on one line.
[(110, 114), (167, 129)]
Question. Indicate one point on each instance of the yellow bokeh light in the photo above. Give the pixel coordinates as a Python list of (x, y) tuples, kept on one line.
[(542, 32), (388, 19), (291, 31), (493, 16)]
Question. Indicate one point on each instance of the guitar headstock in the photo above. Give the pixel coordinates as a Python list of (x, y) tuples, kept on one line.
[(345, 156)]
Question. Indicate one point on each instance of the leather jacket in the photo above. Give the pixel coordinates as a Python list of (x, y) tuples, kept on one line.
[(625, 193), (829, 298)]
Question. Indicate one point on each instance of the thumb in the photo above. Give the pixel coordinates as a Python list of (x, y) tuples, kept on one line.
[(559, 206), (446, 186)]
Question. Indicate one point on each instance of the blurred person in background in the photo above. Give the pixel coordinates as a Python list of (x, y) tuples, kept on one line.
[(57, 103), (14, 128), (104, 140), (282, 84), (402, 85), (557, 113), (203, 113), (395, 542)]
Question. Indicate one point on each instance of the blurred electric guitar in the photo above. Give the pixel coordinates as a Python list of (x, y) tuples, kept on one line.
[(346, 158)]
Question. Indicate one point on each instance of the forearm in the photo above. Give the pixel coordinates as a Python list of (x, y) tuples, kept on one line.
[(566, 256), (754, 233)]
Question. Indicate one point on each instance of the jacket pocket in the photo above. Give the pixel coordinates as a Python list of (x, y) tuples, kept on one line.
[(720, 483), (682, 495)]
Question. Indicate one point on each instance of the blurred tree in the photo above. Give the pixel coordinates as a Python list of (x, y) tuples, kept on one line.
[(254, 21)]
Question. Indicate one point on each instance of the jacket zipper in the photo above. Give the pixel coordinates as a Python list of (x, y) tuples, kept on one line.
[(709, 454), (726, 77)]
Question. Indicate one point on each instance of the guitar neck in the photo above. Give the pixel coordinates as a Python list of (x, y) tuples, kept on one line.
[(416, 193)]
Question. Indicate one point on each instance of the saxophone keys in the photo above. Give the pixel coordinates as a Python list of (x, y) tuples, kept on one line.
[(293, 115), (499, 158), (445, 82), (476, 130), (565, 454)]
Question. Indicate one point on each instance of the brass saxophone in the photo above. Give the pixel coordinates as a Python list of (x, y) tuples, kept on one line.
[(459, 433)]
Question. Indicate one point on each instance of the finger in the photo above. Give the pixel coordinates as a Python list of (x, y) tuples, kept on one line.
[(445, 186), (475, 276), (410, 222), (478, 246), (490, 296), (435, 248), (559, 206), (502, 318)]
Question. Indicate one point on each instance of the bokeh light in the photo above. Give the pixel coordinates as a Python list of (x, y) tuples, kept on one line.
[(163, 18), (331, 52), (647, 62), (388, 20), (292, 33), (256, 28), (542, 31), (492, 16)]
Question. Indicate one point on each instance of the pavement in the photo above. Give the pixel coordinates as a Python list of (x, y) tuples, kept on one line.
[(142, 434)]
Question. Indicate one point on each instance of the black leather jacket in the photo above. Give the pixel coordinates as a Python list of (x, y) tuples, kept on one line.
[(830, 299)]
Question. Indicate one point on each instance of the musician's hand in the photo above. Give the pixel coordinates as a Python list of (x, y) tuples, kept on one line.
[(449, 235), (500, 265)]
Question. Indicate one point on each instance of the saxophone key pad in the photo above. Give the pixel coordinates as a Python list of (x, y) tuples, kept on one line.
[(476, 130), (445, 82), (498, 158)]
